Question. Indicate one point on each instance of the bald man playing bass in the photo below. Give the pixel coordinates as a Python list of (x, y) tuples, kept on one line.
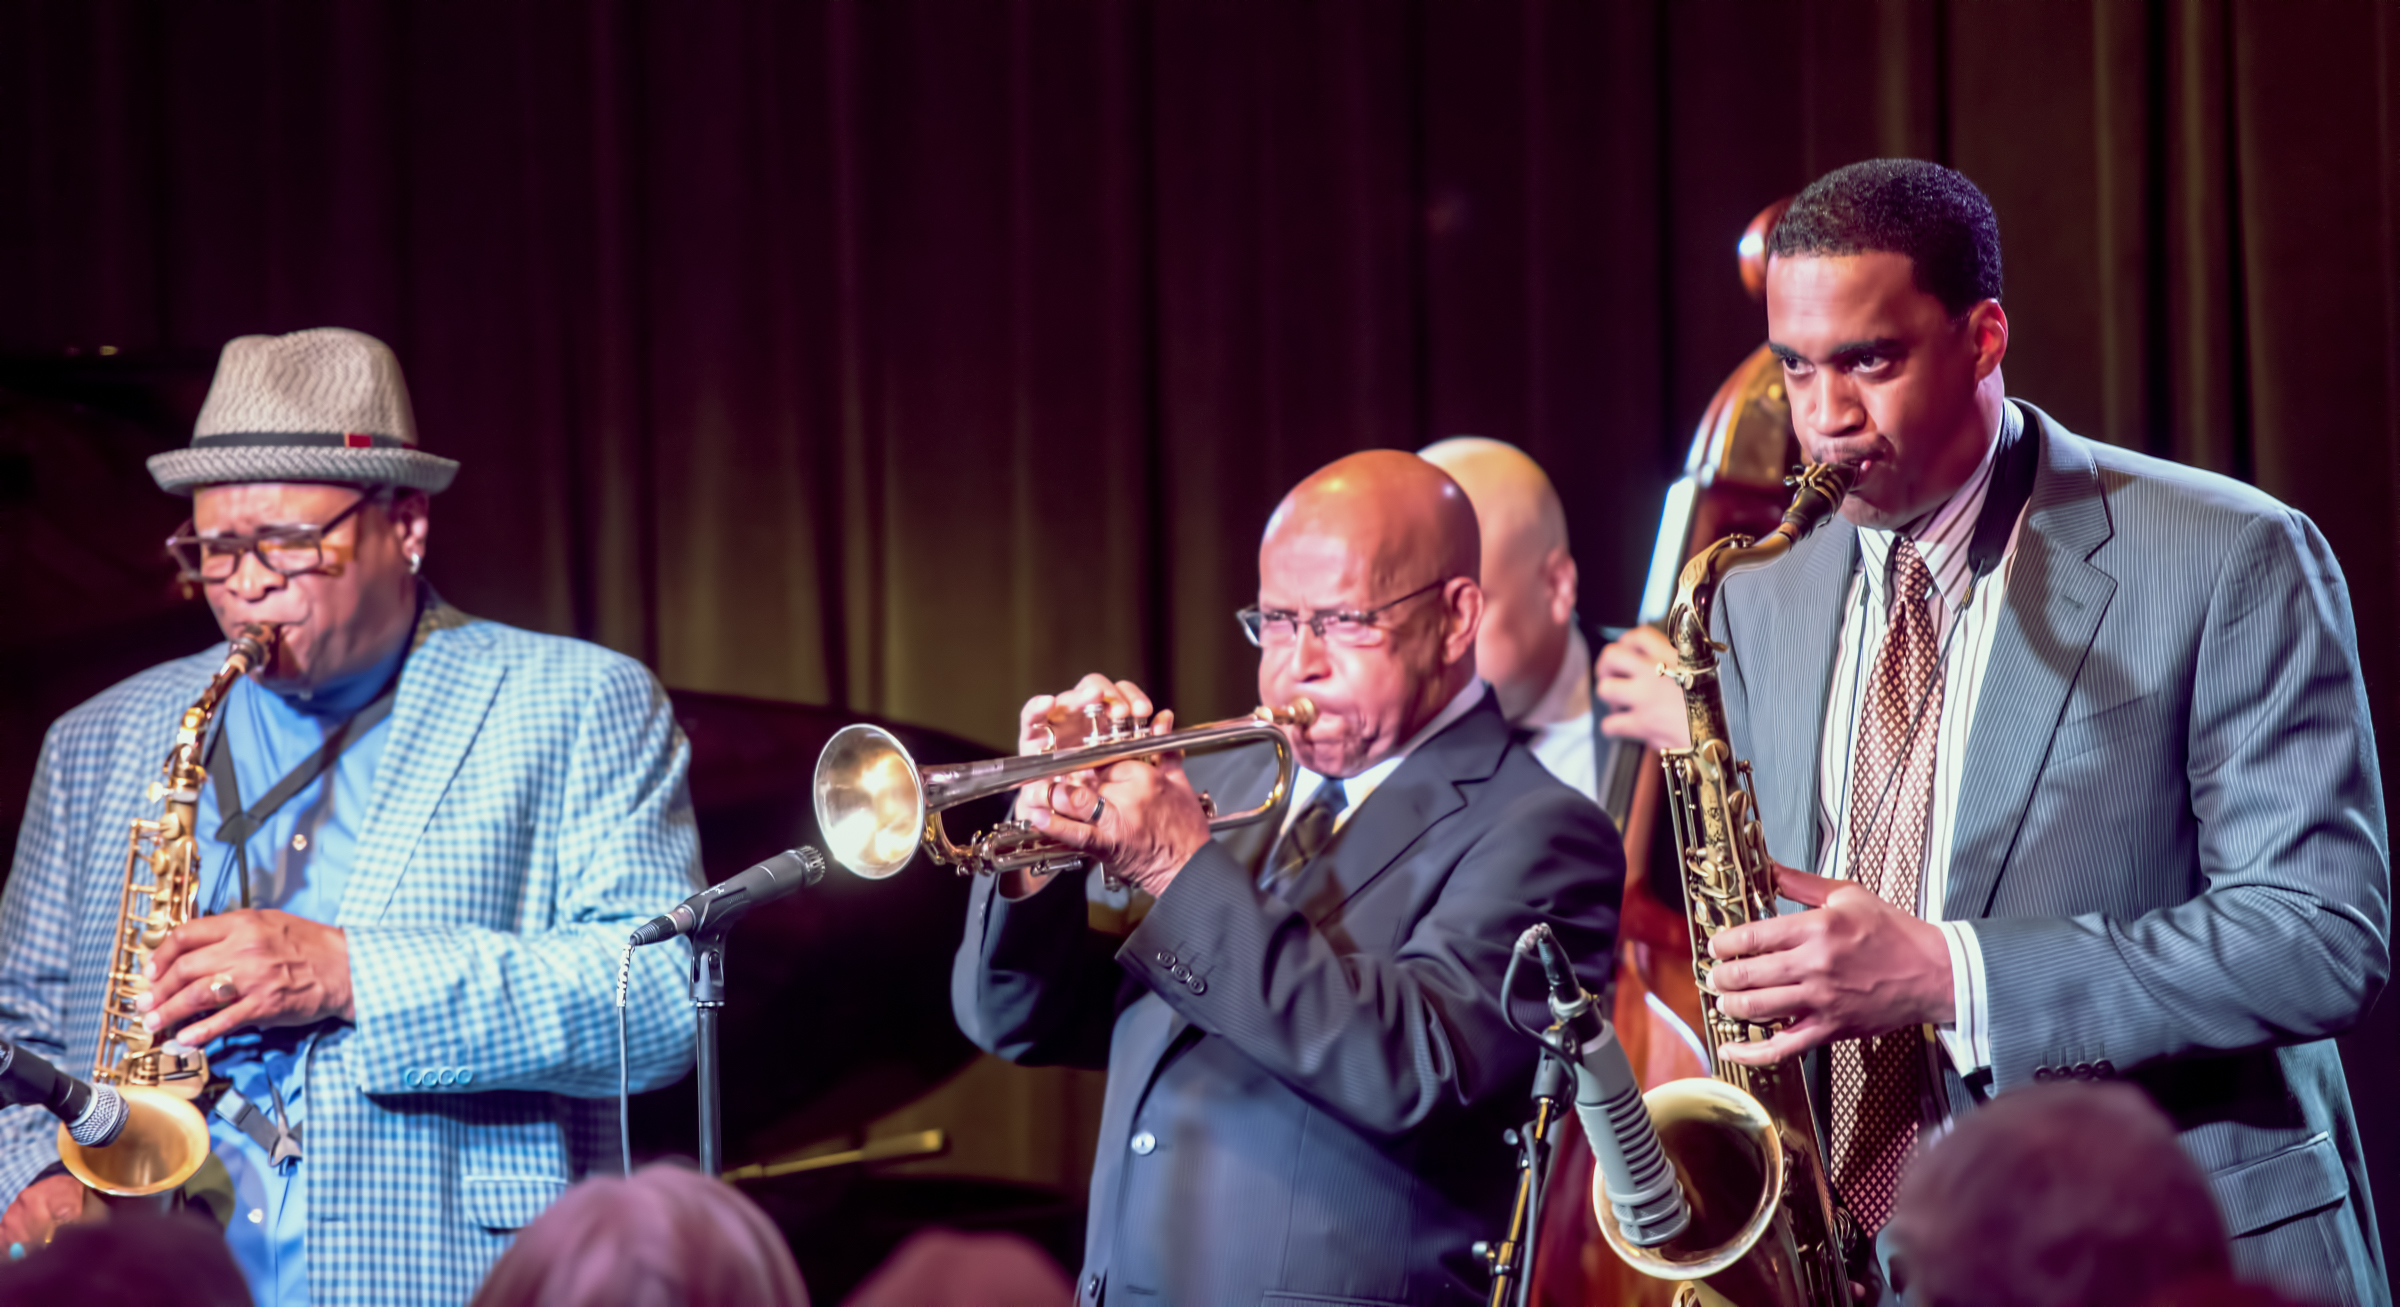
[(1309, 1071), (1530, 648)]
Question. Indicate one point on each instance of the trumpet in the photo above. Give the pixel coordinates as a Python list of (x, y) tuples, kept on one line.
[(875, 804)]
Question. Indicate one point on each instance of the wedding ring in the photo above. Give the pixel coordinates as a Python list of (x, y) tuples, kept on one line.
[(1099, 806), (220, 988)]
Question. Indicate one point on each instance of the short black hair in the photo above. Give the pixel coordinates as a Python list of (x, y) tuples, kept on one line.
[(1901, 206)]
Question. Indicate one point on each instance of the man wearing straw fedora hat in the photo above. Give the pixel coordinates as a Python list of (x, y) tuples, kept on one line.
[(402, 971)]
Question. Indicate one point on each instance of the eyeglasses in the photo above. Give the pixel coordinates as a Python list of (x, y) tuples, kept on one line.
[(1279, 628), (285, 551)]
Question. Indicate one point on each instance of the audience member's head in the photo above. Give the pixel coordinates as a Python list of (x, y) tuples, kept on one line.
[(118, 1263), (2056, 1195), (662, 1237), (943, 1268), (1528, 575)]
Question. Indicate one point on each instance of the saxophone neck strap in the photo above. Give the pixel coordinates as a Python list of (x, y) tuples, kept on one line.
[(242, 823)]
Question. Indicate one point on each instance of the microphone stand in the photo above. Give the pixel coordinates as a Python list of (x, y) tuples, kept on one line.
[(708, 1004), (1512, 1259)]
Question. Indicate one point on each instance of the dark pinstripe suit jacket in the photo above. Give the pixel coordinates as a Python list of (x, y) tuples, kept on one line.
[(2171, 831), (1305, 1099)]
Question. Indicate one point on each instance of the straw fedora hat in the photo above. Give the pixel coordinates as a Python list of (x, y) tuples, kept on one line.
[(326, 404)]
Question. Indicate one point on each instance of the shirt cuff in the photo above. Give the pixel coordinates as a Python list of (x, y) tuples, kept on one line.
[(1968, 1035)]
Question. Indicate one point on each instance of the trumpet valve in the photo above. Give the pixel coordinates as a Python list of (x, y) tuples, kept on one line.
[(1101, 728)]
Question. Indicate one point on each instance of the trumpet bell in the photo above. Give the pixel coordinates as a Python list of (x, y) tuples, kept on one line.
[(163, 1145), (870, 801)]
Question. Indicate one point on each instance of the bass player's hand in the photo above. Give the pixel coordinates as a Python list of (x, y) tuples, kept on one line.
[(46, 1204), (1642, 705)]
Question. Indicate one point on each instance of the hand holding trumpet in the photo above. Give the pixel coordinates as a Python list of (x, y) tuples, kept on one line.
[(1139, 816)]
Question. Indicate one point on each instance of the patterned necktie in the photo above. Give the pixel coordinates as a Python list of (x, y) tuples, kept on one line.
[(1307, 836), (1879, 1084)]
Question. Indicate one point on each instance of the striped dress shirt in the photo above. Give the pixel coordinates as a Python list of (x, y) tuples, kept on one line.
[(1966, 611)]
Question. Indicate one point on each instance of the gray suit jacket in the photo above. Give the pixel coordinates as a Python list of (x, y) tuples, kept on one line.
[(2171, 833), (1305, 1098)]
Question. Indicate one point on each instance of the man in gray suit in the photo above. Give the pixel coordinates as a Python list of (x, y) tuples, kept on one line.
[(2069, 745), (1309, 1070)]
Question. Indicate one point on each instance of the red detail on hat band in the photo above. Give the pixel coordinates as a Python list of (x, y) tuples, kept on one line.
[(357, 440)]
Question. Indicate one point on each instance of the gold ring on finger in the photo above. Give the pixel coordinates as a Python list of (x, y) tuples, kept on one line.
[(220, 988)]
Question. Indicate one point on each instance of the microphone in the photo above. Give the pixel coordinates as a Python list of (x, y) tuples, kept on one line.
[(720, 904), (95, 1114), (1642, 1188)]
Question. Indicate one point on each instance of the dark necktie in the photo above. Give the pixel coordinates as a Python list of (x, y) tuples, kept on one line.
[(1307, 836), (1879, 1084)]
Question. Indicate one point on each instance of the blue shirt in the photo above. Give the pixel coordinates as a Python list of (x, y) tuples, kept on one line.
[(299, 861)]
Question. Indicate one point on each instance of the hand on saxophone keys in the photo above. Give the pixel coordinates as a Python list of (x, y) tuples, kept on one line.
[(1853, 968), (251, 967), (1140, 816)]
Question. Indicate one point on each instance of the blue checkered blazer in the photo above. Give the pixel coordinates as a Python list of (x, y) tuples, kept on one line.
[(530, 808)]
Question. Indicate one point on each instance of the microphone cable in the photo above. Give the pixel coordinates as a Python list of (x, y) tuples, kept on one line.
[(624, 1062)]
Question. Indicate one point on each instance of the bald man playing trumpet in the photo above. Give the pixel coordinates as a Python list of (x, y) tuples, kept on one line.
[(1309, 1071)]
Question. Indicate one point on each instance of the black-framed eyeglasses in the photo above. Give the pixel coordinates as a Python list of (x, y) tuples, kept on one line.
[(284, 550), (1279, 628)]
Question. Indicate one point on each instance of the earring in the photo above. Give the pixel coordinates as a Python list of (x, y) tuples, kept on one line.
[(415, 561)]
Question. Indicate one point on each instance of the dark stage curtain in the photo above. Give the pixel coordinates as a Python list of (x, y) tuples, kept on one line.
[(915, 357)]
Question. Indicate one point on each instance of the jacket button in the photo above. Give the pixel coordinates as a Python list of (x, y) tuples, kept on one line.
[(1199, 986), (2080, 1071), (1145, 1143), (465, 1074), (1166, 960), (2104, 1069), (1091, 1286), (409, 1077), (446, 1077), (2041, 1073)]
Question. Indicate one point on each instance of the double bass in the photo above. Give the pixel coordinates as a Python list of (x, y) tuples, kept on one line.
[(1732, 481)]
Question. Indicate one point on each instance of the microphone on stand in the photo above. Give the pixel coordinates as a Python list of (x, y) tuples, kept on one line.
[(95, 1114), (1642, 1187), (718, 905)]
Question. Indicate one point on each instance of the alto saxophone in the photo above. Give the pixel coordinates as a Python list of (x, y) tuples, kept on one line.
[(1767, 1230), (165, 1140)]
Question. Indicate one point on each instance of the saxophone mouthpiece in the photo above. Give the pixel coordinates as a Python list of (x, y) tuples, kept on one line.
[(1818, 491), (254, 644)]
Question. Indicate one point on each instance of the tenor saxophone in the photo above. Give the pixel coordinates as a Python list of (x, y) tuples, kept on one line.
[(165, 1140), (1767, 1230)]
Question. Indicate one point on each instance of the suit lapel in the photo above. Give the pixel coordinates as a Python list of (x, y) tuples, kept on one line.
[(1420, 793), (445, 693), (1802, 626), (2055, 600)]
